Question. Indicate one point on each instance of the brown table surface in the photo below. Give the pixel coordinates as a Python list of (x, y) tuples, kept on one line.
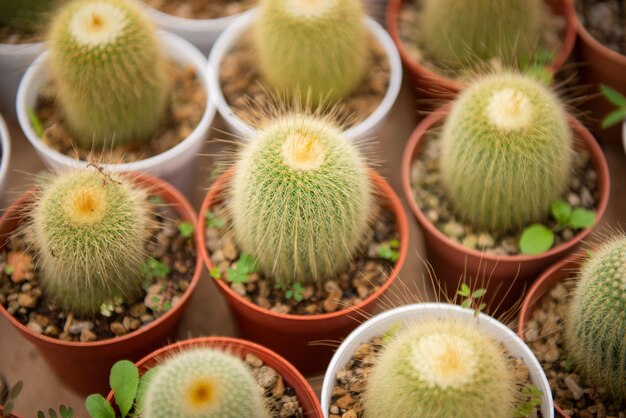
[(20, 361)]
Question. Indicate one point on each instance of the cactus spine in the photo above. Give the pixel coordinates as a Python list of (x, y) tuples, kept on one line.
[(506, 152), (311, 48), (110, 72), (595, 332), (459, 33), (203, 383), (441, 368), (89, 230), (301, 199)]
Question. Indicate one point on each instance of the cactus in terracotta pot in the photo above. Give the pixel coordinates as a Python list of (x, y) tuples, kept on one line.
[(441, 368), (300, 198), (595, 331), (506, 152), (203, 383), (89, 230), (311, 48), (459, 33), (110, 72)]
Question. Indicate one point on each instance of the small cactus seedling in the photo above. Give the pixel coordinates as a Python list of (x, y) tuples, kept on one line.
[(441, 368), (26, 15), (459, 33), (595, 329), (110, 72), (301, 199), (506, 152), (203, 383), (313, 49), (89, 230)]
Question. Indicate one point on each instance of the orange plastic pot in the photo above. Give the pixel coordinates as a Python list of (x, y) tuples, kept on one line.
[(430, 84), (85, 367), (601, 65), (291, 335), (308, 401), (504, 277), (542, 286)]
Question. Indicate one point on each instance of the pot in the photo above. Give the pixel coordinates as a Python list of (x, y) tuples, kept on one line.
[(366, 129), (410, 314), (506, 277), (291, 335), (176, 165), (5, 147), (432, 85), (14, 60), (84, 366), (293, 378)]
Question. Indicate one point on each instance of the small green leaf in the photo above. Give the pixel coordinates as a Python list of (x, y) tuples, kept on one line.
[(35, 122), (15, 390), (582, 218), (143, 386), (52, 413), (124, 381), (186, 229), (561, 212), (569, 364), (464, 290), (8, 408), (8, 269), (387, 253), (235, 276), (215, 272), (466, 303), (213, 221), (479, 293), (536, 239), (166, 306), (613, 95), (394, 244), (155, 299), (246, 264), (613, 118), (40, 414), (98, 407)]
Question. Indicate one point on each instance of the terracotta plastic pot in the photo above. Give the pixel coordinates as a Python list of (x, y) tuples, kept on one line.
[(602, 65), (432, 85), (544, 284), (291, 335), (293, 378), (504, 277), (85, 367)]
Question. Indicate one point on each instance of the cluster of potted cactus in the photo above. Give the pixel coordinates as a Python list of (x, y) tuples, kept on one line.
[(298, 232)]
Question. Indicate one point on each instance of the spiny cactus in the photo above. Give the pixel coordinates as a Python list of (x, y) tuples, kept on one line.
[(506, 152), (27, 15), (110, 72), (458, 33), (596, 325), (203, 383), (89, 229), (311, 48), (301, 199), (441, 368)]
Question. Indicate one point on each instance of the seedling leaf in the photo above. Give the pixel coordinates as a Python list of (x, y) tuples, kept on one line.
[(561, 212), (186, 229), (582, 218), (536, 239), (98, 407), (124, 380)]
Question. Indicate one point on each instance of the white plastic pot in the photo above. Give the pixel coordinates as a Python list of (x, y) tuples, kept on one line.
[(411, 314), (176, 165), (202, 33), (366, 129), (5, 144), (14, 61)]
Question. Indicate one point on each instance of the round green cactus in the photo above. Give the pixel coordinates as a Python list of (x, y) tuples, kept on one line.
[(301, 199), (27, 15), (110, 72), (89, 231), (441, 368), (506, 152), (203, 383), (595, 331), (457, 34), (313, 49)]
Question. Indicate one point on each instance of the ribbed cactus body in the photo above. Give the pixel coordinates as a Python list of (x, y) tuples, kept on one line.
[(596, 324), (110, 72), (27, 15), (311, 45), (506, 152), (441, 368), (89, 231), (301, 199), (203, 383), (458, 34)]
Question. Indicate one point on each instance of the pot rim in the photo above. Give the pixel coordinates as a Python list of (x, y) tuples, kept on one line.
[(197, 25), (5, 143), (597, 45), (597, 159), (185, 210)]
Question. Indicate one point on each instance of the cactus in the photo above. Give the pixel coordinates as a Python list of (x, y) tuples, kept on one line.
[(110, 73), (312, 49), (595, 327), (203, 383), (27, 15), (88, 230), (441, 368), (301, 199), (506, 152), (459, 33)]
